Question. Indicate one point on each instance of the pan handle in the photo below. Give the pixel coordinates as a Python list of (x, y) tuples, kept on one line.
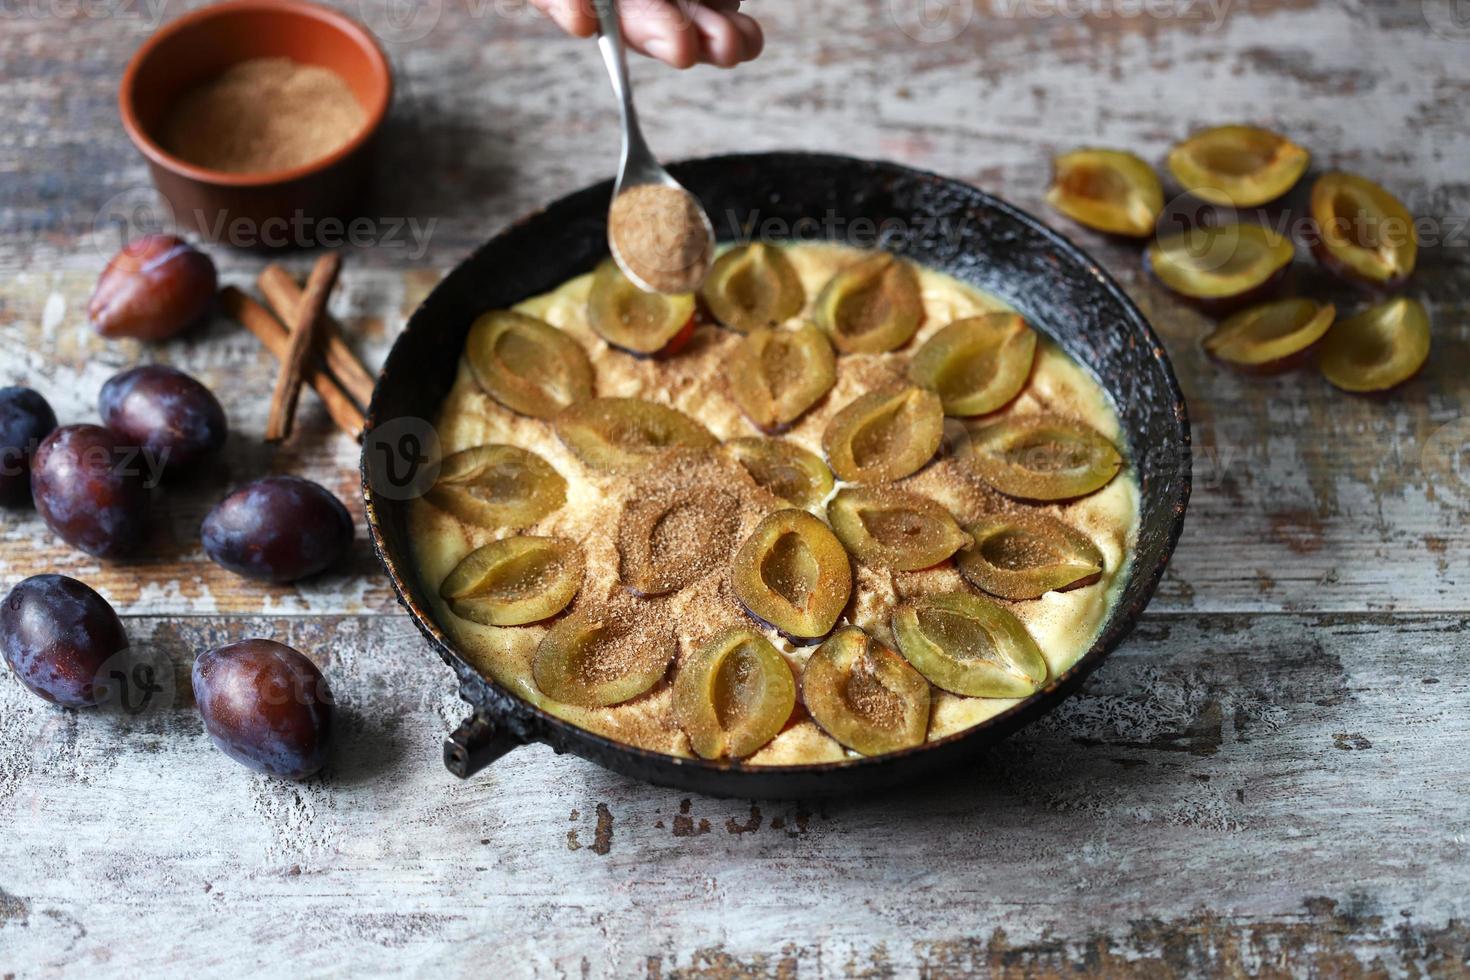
[(475, 744)]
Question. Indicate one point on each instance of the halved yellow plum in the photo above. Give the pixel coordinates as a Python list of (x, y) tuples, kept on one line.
[(776, 375), (1107, 190), (885, 527), (1271, 337), (864, 695), (798, 477), (1219, 266), (595, 662), (753, 285), (619, 435), (1379, 348), (977, 364), (884, 435), (1042, 457), (792, 575), (527, 365), (637, 322), (514, 581), (1363, 232), (871, 306), (669, 539), (970, 646), (1024, 555), (734, 695), (497, 486), (1237, 166)]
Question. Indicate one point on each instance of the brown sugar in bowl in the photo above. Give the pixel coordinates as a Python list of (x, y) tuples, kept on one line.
[(281, 209)]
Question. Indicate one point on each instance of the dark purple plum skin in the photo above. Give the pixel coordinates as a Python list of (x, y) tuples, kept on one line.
[(89, 489), (57, 633), (164, 412), (278, 529), (25, 419), (266, 706)]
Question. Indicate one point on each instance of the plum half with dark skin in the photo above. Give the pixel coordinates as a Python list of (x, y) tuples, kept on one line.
[(885, 527), (793, 575), (969, 646), (797, 476), (266, 706), (1111, 191), (734, 695), (515, 580), (871, 306), (884, 435), (526, 364), (497, 486), (1270, 337), (25, 419), (1042, 457), (1363, 233), (595, 662), (1237, 166), (977, 364), (864, 695), (165, 413), (776, 375), (90, 490), (621, 435), (57, 634), (1377, 349), (278, 529), (1220, 267), (1024, 555), (752, 286), (641, 323)]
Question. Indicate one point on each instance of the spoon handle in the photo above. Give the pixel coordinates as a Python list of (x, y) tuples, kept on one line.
[(636, 154)]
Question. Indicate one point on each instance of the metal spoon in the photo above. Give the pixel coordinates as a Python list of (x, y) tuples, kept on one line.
[(638, 166)]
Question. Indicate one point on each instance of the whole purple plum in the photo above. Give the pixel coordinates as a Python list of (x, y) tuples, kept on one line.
[(266, 706), (278, 529), (164, 412), (56, 634)]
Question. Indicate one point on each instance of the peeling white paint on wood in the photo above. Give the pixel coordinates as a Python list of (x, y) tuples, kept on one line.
[(1250, 765)]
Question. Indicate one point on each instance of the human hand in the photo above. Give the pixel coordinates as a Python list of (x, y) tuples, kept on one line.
[(679, 32)]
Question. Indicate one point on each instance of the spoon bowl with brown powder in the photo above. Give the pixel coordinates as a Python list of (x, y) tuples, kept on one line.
[(658, 232), (258, 119)]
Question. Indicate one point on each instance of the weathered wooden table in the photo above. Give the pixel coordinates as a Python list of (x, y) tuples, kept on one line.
[(1268, 778)]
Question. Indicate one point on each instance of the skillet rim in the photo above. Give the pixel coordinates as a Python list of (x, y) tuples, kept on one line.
[(524, 723)]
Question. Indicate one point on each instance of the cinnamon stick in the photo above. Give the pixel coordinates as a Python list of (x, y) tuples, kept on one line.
[(284, 296), (302, 346), (276, 339)]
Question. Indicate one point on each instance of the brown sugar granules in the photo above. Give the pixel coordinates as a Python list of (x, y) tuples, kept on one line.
[(659, 233), (263, 115)]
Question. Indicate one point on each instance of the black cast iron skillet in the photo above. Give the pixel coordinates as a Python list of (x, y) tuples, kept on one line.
[(935, 221)]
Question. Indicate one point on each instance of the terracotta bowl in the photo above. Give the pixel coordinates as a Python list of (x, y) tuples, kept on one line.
[(255, 210)]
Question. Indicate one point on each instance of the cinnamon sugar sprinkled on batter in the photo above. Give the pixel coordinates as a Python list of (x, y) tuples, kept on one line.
[(668, 540), (691, 382), (627, 642), (869, 698)]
